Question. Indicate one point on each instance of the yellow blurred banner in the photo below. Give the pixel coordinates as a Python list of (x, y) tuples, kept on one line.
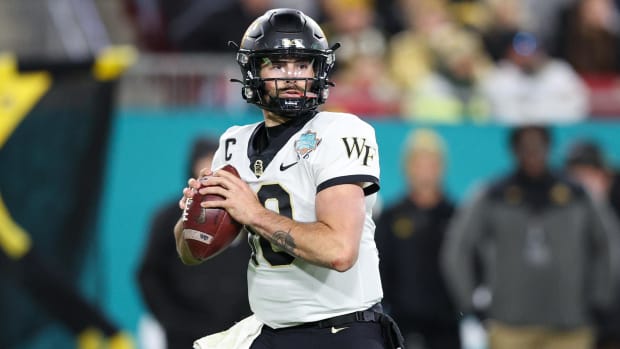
[(13, 239), (112, 61), (18, 94)]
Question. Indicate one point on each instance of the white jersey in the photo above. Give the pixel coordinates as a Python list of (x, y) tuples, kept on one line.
[(330, 149)]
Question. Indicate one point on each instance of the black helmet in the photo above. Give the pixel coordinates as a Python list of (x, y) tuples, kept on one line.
[(283, 33)]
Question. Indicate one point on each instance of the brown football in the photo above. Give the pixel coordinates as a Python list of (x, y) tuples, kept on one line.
[(208, 231)]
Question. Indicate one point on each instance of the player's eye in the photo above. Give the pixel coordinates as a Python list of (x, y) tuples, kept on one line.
[(305, 65), (277, 66)]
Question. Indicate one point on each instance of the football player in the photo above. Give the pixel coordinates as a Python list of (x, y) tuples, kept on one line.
[(308, 184)]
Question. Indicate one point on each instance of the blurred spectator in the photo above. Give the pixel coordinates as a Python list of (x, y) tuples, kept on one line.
[(528, 86), (148, 24), (155, 19), (390, 16), (508, 17), (544, 249), (212, 32), (544, 17), (472, 14), (588, 37), (452, 91), (409, 51), (586, 164), (197, 25), (363, 86), (186, 301), (409, 235), (352, 24)]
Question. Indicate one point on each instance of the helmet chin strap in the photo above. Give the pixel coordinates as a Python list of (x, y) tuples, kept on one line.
[(289, 107)]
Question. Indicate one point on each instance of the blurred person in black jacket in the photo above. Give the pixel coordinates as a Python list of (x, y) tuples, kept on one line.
[(409, 235), (586, 163), (186, 301), (544, 248)]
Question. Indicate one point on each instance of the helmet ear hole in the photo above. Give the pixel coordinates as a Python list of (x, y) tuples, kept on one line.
[(324, 94), (248, 93)]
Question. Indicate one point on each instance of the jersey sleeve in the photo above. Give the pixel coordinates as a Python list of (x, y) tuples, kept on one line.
[(219, 156), (349, 155)]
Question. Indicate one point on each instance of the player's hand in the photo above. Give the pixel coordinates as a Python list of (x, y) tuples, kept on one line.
[(205, 172), (239, 199), (188, 192), (193, 185)]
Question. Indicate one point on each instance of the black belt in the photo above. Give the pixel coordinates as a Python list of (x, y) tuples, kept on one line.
[(372, 314)]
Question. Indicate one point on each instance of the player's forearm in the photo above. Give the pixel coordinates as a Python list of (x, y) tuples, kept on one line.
[(182, 249), (314, 242)]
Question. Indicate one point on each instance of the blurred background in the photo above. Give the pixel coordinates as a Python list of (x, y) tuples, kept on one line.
[(102, 100)]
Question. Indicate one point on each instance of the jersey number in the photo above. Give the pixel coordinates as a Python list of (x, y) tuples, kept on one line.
[(272, 196)]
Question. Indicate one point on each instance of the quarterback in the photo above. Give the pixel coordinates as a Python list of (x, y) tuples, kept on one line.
[(308, 182)]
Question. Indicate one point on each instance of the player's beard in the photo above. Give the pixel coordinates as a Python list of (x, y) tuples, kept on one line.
[(290, 101)]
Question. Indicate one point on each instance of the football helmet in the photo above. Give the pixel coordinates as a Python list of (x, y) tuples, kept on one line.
[(285, 34)]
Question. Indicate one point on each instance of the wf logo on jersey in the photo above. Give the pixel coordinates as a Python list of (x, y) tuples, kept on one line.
[(358, 147), (306, 143)]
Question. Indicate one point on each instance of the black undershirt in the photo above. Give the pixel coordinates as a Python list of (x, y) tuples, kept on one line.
[(265, 142)]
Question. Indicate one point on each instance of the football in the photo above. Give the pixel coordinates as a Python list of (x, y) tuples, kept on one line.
[(208, 231)]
